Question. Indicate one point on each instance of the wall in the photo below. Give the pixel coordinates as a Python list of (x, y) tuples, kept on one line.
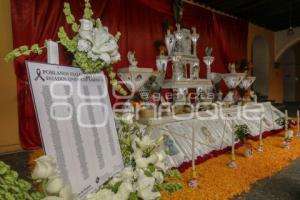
[(284, 44), (275, 78), (297, 79), (284, 41), (288, 64), (260, 59), (9, 139)]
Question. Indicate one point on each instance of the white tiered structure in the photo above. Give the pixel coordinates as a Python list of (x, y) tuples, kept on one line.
[(182, 53)]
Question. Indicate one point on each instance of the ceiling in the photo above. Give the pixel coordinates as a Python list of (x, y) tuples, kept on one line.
[(271, 14)]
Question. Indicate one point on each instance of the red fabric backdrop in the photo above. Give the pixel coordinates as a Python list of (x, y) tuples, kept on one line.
[(139, 21)]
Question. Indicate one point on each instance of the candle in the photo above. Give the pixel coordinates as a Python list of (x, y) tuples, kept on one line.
[(286, 124), (260, 133), (260, 148), (193, 153), (233, 147)]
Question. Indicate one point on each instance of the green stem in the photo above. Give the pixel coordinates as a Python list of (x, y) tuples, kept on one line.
[(44, 182)]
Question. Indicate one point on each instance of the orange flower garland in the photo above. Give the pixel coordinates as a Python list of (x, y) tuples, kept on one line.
[(218, 182)]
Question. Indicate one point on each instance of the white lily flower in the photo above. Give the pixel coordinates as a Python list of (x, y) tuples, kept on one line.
[(115, 180), (44, 168), (127, 174), (54, 185), (159, 177), (114, 53), (124, 191), (145, 142), (145, 186), (108, 47), (141, 163), (116, 58), (66, 193), (91, 196), (161, 165), (161, 156), (104, 194), (101, 35)]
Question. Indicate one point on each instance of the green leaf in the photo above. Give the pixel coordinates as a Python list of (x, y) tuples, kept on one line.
[(133, 196), (175, 174), (151, 168), (148, 173)]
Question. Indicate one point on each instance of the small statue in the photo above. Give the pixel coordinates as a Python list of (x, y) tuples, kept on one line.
[(208, 51), (180, 94), (186, 42), (195, 71), (194, 36), (253, 96), (169, 143), (220, 96), (131, 59), (170, 42), (178, 32), (231, 67)]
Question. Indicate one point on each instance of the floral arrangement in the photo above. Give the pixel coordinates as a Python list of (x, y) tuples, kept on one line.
[(145, 175), (53, 186), (281, 122), (14, 188), (241, 131), (93, 47)]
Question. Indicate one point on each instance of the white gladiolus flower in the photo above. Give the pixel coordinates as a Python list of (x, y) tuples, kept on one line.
[(105, 57), (44, 168), (54, 185)]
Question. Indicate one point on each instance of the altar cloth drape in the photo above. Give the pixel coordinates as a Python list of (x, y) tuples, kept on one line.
[(139, 21)]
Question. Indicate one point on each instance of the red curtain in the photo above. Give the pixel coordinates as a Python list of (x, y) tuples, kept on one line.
[(139, 21)]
